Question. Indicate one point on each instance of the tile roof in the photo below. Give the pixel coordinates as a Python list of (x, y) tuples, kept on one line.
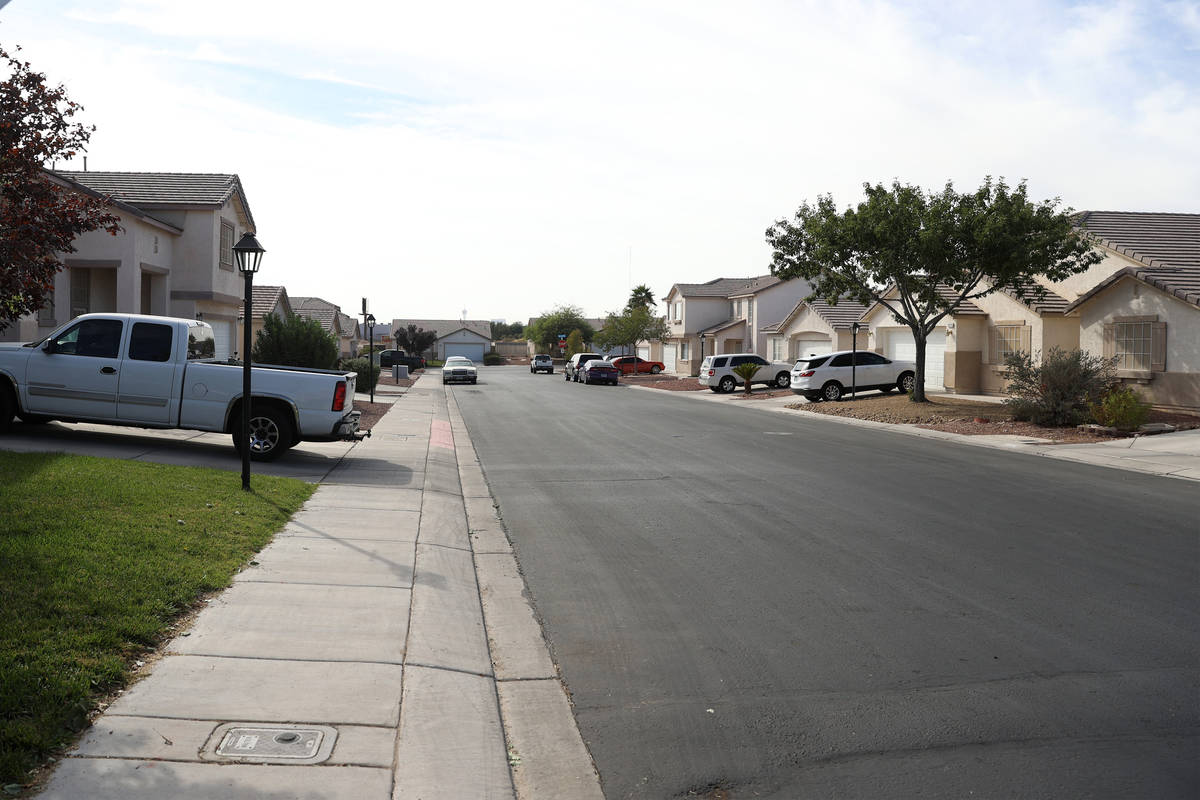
[(1038, 298), (1181, 282), (727, 287), (65, 180), (164, 189), (720, 326), (1156, 240), (322, 311), (349, 325), (965, 309), (266, 299), (839, 317), (443, 327)]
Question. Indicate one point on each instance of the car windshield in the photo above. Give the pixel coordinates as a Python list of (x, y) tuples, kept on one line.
[(459, 361)]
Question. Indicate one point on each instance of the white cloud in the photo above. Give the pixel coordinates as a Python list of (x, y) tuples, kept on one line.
[(506, 157)]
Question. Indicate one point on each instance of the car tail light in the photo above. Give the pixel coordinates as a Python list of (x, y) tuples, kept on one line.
[(808, 373), (712, 372), (339, 396)]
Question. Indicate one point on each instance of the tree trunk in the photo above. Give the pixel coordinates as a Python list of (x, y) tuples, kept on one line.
[(918, 395)]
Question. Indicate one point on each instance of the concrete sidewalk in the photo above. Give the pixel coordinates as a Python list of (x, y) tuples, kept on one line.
[(381, 647), (1175, 455)]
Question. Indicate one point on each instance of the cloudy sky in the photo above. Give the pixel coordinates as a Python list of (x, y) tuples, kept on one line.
[(507, 158)]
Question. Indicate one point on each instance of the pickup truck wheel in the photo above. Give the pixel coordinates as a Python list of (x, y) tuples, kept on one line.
[(727, 384), (270, 434), (8, 407), (783, 380)]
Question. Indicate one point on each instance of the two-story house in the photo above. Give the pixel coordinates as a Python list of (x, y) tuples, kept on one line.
[(174, 258), (724, 315)]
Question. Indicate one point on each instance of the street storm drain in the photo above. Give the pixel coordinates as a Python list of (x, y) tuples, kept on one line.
[(272, 744)]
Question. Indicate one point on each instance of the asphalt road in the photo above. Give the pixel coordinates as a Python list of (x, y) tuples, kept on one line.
[(748, 604)]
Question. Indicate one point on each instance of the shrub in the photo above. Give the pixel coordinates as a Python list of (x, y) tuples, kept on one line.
[(295, 342), (746, 372), (1058, 391), (1121, 408), (492, 359), (368, 373)]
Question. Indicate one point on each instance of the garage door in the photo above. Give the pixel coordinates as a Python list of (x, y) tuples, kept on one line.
[(813, 347), (669, 351), (471, 351), (902, 347), (222, 339), (643, 352)]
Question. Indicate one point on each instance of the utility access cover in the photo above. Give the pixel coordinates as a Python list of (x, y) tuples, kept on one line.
[(272, 744)]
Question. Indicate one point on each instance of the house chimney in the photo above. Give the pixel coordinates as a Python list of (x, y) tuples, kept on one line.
[(85, 163)]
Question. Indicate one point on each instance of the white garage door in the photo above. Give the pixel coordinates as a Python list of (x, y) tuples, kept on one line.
[(902, 347), (669, 351), (222, 338), (643, 352), (471, 351), (813, 347)]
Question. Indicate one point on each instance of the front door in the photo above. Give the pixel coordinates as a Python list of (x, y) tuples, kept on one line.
[(76, 374)]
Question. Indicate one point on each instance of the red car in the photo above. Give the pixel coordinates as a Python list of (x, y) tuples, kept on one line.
[(629, 365)]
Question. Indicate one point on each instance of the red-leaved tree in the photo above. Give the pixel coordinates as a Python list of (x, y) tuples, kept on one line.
[(39, 219)]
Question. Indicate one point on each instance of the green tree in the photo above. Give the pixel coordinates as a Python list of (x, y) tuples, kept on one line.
[(640, 297), (295, 342), (414, 339), (746, 371), (935, 249), (39, 217), (631, 326), (500, 331), (544, 330), (574, 342)]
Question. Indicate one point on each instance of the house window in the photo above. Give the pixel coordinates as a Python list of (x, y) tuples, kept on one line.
[(46, 312), (750, 313), (1008, 341), (776, 347), (1132, 345), (226, 245), (684, 351)]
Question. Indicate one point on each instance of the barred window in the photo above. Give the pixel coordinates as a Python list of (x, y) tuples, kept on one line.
[(1132, 340)]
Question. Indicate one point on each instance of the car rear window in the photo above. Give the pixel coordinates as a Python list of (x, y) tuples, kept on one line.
[(812, 363), (720, 362)]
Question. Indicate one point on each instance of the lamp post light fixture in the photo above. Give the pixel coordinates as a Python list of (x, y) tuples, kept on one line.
[(369, 320), (248, 253)]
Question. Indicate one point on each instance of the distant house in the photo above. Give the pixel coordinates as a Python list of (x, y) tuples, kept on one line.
[(724, 315), (341, 327), (455, 337), (175, 257), (266, 301), (815, 327)]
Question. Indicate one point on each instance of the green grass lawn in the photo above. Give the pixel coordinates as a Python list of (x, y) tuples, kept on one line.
[(97, 557)]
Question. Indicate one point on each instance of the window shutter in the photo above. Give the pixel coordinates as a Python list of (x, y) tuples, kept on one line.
[(1158, 347), (1027, 339), (1110, 340), (993, 346)]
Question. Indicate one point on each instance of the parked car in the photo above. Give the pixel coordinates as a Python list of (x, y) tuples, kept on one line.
[(599, 371), (459, 369), (716, 372), (542, 363), (635, 365), (160, 372), (828, 377), (576, 362)]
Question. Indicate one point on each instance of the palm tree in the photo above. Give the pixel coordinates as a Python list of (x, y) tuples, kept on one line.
[(640, 296), (746, 372)]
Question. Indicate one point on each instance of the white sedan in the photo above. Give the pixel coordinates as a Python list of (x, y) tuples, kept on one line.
[(460, 369)]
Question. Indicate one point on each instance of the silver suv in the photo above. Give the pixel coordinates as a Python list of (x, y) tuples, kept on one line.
[(716, 372)]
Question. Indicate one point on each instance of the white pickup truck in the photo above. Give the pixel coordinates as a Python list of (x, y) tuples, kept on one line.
[(160, 372)]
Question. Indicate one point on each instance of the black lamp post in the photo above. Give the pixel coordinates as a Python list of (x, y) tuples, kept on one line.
[(369, 320), (248, 253), (854, 328)]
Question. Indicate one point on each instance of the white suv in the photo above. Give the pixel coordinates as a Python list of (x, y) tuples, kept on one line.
[(829, 376), (716, 372)]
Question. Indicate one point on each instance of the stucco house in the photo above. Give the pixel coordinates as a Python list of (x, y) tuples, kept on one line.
[(814, 327), (265, 301), (174, 258), (724, 315), (341, 327), (455, 337)]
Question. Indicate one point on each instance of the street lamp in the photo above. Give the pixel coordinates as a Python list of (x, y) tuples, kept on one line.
[(854, 328), (248, 253), (369, 320)]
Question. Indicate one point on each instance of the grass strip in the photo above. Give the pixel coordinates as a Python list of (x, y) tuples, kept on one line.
[(97, 558)]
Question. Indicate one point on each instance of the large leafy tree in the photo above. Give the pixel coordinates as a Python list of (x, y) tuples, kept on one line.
[(39, 219), (631, 326), (513, 330), (544, 330), (921, 254), (414, 339), (294, 341)]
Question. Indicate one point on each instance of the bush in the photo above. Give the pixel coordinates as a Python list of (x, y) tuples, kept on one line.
[(1060, 390), (492, 359), (295, 342), (1121, 408), (368, 373)]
